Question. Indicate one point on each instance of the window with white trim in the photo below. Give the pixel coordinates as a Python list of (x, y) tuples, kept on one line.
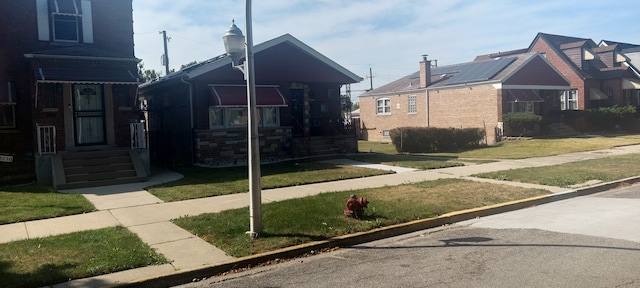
[(220, 117), (521, 107), (569, 100), (7, 105), (65, 21), (412, 106), (383, 106)]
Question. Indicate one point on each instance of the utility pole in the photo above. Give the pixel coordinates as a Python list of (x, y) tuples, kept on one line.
[(165, 57), (370, 79)]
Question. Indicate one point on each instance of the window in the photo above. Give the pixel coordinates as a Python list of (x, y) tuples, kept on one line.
[(7, 105), (216, 117), (269, 116), (413, 108), (236, 116), (569, 100), (631, 97), (220, 117), (521, 107), (383, 106), (65, 21)]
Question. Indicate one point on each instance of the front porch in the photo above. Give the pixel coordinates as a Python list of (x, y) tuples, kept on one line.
[(91, 166)]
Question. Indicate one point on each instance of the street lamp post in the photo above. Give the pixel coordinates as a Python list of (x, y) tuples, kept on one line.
[(234, 44)]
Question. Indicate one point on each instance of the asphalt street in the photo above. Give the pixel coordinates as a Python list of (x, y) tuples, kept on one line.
[(588, 241)]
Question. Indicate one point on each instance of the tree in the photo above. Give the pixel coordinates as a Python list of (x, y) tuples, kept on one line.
[(188, 64), (147, 75)]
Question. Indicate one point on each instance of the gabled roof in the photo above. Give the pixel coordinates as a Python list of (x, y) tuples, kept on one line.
[(281, 58), (623, 46), (560, 43), (467, 74)]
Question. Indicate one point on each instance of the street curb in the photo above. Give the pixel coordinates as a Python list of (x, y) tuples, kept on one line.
[(186, 276)]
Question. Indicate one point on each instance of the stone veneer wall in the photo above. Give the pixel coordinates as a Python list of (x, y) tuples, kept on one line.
[(229, 146)]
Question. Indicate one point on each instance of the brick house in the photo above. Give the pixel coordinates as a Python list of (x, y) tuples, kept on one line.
[(467, 95), (68, 84), (599, 75), (198, 115)]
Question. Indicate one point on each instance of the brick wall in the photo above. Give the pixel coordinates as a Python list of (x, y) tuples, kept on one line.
[(374, 125), (229, 146), (466, 107), (475, 107), (567, 71)]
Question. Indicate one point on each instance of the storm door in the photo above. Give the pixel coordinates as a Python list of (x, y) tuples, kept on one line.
[(88, 115)]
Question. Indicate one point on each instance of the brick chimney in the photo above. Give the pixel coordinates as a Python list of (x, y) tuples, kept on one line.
[(425, 72)]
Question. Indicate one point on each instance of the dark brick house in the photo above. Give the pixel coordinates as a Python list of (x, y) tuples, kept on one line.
[(68, 82), (198, 115)]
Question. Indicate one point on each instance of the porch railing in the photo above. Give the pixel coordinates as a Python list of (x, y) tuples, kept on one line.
[(46, 139), (138, 140)]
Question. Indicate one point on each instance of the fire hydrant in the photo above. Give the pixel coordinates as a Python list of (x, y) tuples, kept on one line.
[(355, 206)]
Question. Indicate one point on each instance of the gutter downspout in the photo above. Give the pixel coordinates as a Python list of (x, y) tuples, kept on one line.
[(190, 114), (426, 91)]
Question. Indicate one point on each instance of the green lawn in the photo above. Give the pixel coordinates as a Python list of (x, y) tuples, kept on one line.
[(51, 260), (302, 220), (201, 182), (565, 175), (518, 149), (32, 202)]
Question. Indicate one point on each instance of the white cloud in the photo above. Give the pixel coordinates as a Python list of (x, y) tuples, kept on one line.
[(389, 36)]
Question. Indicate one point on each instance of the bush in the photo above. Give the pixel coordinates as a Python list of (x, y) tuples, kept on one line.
[(425, 140), (603, 119), (521, 124)]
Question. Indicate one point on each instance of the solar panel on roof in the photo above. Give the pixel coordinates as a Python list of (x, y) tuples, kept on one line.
[(481, 71), (445, 70)]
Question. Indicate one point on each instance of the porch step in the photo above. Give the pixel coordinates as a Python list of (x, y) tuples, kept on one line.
[(98, 168), (322, 146)]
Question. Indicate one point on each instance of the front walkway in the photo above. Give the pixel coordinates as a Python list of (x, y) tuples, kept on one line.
[(129, 205)]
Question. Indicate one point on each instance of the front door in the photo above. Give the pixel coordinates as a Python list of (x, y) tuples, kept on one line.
[(88, 115)]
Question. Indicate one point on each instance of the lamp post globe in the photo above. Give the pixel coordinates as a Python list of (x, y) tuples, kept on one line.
[(234, 43)]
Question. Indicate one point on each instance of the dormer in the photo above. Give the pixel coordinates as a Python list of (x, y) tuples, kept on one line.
[(587, 58)]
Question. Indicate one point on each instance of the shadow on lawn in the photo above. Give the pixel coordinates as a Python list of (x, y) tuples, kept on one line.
[(202, 175), (47, 274)]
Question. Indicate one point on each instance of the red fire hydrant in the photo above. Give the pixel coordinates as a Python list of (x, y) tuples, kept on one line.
[(355, 206)]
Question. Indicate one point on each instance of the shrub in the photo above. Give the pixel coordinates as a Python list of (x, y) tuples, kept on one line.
[(603, 119), (521, 124), (429, 139)]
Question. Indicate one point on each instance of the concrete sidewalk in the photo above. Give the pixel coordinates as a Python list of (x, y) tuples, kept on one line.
[(149, 217)]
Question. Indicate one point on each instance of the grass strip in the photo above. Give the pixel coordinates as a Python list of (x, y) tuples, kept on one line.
[(296, 221), (201, 182), (33, 202), (574, 173), (57, 259)]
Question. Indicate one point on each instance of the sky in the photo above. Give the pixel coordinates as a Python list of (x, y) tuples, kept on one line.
[(378, 40)]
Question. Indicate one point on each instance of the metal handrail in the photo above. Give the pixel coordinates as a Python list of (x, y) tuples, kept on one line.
[(138, 140), (46, 139)]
